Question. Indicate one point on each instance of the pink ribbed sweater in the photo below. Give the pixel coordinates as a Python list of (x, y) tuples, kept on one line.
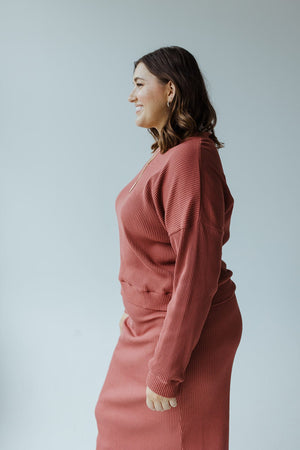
[(172, 227)]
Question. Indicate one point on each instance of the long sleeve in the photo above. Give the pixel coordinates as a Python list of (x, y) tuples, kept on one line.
[(193, 212)]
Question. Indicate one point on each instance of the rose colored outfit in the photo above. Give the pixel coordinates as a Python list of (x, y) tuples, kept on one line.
[(184, 323)]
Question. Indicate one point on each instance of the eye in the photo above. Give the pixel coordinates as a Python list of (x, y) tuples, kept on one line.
[(139, 84)]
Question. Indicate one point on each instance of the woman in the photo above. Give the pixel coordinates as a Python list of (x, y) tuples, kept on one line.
[(182, 324)]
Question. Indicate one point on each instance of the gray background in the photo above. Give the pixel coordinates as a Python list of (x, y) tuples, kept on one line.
[(69, 143)]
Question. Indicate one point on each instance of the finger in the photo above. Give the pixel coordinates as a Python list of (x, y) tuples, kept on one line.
[(165, 404), (158, 406), (150, 404), (122, 323), (173, 402)]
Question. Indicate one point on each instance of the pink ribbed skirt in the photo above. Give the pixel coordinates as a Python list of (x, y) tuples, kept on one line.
[(200, 421)]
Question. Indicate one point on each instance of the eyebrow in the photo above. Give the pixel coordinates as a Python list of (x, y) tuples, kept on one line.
[(138, 78)]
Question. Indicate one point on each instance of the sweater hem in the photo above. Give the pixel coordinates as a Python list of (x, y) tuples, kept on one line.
[(145, 298)]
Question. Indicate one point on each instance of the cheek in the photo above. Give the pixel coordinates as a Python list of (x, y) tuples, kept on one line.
[(152, 100), (158, 99), (145, 96)]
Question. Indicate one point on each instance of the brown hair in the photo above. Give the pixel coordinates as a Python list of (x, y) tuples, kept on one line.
[(190, 111)]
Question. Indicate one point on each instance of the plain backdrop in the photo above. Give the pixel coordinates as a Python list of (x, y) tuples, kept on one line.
[(69, 144)]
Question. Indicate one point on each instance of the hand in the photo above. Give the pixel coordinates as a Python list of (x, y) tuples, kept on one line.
[(122, 320), (158, 402)]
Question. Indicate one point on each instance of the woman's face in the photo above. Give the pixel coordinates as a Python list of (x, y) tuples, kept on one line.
[(150, 97)]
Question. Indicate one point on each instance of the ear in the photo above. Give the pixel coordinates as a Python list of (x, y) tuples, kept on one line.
[(171, 89)]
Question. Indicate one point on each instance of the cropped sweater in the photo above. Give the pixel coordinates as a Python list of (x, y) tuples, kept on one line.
[(172, 226)]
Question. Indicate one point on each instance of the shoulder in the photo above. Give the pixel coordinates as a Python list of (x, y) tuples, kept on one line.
[(189, 153)]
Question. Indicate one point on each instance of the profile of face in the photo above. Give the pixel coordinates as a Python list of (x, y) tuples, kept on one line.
[(150, 96)]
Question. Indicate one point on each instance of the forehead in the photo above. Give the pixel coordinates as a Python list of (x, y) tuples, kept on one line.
[(141, 71)]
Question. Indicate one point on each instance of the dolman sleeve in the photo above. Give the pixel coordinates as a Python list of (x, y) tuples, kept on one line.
[(190, 197)]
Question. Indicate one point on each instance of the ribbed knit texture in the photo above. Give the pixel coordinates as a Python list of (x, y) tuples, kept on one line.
[(184, 323), (172, 227)]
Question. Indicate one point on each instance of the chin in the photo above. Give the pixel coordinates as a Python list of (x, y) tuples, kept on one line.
[(141, 124)]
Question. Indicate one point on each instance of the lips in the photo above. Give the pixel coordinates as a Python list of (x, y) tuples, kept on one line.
[(138, 108)]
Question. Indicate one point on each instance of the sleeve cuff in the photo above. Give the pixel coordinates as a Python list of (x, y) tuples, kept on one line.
[(162, 386)]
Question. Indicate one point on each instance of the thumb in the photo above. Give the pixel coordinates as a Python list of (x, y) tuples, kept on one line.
[(173, 402)]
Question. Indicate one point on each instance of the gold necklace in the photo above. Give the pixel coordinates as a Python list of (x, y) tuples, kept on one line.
[(148, 162)]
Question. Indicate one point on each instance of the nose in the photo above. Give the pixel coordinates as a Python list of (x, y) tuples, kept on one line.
[(132, 97)]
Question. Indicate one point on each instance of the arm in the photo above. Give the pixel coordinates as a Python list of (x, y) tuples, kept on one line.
[(193, 212), (197, 269)]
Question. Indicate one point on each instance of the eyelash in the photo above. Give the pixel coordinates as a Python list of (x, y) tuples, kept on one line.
[(139, 84)]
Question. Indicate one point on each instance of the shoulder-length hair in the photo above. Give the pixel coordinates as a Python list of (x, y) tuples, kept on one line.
[(191, 111)]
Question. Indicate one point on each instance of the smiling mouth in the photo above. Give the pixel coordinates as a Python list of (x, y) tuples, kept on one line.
[(138, 109)]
